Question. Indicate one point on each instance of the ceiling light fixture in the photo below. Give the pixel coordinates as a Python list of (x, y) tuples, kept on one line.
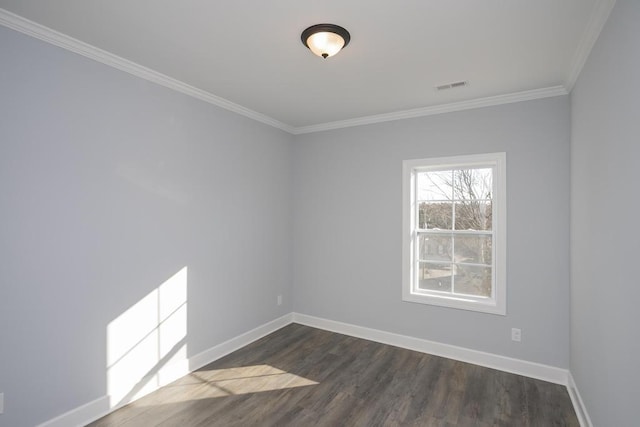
[(325, 40)]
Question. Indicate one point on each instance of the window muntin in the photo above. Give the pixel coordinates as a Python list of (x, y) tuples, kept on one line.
[(454, 232)]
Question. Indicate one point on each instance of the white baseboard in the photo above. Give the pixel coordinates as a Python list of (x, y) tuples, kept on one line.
[(82, 415), (578, 404), (229, 346), (502, 363), (100, 407)]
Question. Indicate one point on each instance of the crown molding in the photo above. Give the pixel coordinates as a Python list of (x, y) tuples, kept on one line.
[(437, 109), (599, 15), (33, 29)]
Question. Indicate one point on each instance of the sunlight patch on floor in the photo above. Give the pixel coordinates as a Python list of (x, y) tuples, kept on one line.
[(228, 382)]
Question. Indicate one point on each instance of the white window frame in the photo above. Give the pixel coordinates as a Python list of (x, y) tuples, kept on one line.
[(496, 304)]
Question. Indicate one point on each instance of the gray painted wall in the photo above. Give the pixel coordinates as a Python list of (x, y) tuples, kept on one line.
[(605, 242), (347, 226), (109, 185)]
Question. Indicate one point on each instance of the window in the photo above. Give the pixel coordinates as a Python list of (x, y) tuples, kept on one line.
[(454, 221)]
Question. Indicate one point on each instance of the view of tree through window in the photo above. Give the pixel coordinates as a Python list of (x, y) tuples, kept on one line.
[(454, 231)]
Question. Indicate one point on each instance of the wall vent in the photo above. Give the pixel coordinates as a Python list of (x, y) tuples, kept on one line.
[(452, 85)]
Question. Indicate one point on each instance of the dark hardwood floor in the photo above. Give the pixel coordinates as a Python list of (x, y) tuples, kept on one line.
[(301, 376)]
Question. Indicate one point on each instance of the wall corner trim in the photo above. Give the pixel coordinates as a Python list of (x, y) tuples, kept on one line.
[(578, 404)]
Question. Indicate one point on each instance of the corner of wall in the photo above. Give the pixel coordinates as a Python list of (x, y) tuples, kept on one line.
[(578, 404)]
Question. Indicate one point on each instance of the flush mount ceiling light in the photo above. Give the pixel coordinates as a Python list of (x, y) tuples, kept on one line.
[(325, 40)]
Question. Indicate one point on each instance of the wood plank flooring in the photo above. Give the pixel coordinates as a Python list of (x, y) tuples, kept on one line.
[(301, 376)]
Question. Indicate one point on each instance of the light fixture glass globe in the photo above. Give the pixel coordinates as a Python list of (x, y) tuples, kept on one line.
[(325, 44), (325, 40)]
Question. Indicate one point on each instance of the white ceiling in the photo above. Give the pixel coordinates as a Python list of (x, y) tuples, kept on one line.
[(249, 52)]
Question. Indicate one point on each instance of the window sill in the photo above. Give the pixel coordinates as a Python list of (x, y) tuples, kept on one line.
[(460, 303)]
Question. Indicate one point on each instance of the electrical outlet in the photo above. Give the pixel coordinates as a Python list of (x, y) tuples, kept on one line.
[(279, 299), (1, 403), (516, 334)]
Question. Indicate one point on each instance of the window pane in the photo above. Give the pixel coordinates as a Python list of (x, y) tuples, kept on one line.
[(473, 215), (453, 254), (435, 215), (435, 247), (472, 280), (472, 184), (435, 185), (473, 249), (434, 277)]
